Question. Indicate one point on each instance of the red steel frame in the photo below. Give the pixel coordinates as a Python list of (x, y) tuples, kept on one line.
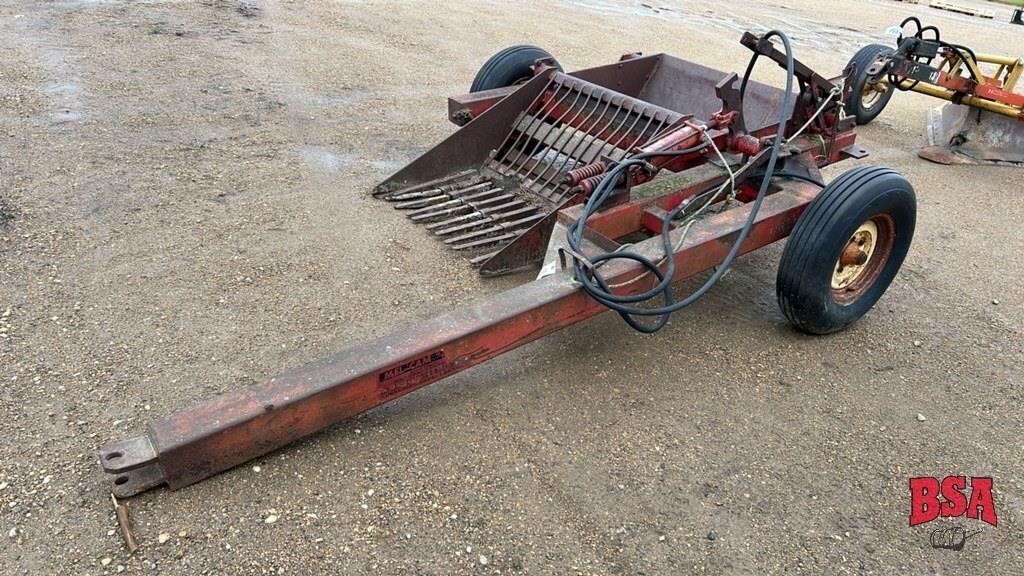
[(193, 444), (198, 442)]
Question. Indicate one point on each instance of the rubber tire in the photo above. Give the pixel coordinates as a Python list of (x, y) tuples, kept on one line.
[(863, 60), (508, 67), (804, 282)]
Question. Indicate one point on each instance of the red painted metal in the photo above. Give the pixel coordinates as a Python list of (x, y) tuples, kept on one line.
[(463, 108), (198, 442), (988, 88), (992, 91)]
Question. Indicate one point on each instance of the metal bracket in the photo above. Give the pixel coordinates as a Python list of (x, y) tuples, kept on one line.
[(134, 463), (729, 94)]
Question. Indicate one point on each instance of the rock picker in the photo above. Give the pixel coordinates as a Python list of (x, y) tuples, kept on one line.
[(618, 181)]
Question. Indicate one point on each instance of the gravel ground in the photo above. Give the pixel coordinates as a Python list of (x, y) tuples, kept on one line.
[(184, 211)]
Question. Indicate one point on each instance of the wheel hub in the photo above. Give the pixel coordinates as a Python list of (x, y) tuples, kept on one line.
[(856, 254), (871, 94)]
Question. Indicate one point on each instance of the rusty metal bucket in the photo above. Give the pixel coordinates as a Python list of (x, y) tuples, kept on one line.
[(492, 188), (959, 134)]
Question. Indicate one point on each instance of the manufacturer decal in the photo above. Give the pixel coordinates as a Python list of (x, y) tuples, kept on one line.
[(412, 374)]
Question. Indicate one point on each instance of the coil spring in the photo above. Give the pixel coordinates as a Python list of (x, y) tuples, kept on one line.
[(589, 184), (574, 177), (747, 144)]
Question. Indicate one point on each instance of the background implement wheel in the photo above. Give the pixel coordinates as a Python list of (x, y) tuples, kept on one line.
[(509, 67), (845, 249), (866, 101)]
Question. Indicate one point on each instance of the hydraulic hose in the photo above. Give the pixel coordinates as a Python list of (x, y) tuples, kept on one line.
[(588, 274)]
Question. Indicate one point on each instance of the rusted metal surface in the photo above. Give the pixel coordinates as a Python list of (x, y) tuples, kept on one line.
[(124, 522), (569, 123), (853, 255), (198, 442), (962, 135), (863, 259), (628, 76), (523, 251), (504, 186), (465, 107), (545, 143)]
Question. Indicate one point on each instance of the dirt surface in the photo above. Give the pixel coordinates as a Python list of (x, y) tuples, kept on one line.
[(184, 210)]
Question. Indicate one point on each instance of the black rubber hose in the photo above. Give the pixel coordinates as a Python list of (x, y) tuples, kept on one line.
[(960, 52), (935, 29), (746, 78), (958, 48), (793, 175), (913, 19), (597, 286)]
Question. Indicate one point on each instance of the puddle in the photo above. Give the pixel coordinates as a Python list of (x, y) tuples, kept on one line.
[(734, 18), (59, 63), (324, 160)]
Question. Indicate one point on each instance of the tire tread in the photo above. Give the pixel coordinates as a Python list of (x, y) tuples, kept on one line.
[(505, 57), (861, 60), (811, 228)]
